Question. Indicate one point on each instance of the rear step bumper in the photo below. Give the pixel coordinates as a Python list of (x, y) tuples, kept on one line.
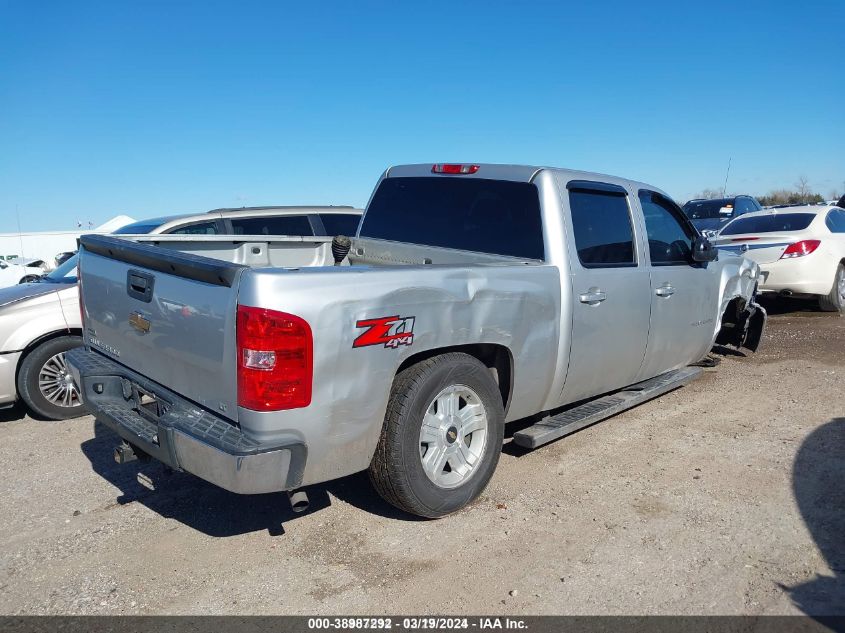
[(181, 434)]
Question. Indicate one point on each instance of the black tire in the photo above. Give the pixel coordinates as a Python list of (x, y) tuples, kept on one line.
[(835, 301), (28, 378), (29, 278), (396, 470)]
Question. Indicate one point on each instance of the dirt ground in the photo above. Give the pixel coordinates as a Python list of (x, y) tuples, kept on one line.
[(724, 497)]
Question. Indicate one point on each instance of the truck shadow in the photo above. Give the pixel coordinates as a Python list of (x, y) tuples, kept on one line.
[(14, 413), (212, 510), (818, 482), (19, 411)]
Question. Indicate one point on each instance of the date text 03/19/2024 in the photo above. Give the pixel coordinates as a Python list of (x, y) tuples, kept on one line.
[(417, 623)]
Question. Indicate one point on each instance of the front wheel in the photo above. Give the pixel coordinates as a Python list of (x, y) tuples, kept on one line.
[(45, 383), (442, 436), (835, 301)]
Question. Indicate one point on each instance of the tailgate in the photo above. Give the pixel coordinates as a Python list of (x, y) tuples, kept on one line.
[(763, 250), (167, 315)]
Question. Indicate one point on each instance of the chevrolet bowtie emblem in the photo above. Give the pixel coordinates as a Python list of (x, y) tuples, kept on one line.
[(139, 322)]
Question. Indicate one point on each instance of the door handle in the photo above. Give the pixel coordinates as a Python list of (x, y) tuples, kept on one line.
[(666, 290), (593, 296), (139, 285)]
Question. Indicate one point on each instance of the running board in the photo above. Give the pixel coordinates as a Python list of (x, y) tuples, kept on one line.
[(554, 427)]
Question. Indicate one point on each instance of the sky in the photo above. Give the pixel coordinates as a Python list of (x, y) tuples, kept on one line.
[(148, 108)]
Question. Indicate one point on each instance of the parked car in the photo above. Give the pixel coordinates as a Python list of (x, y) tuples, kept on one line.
[(12, 273), (472, 295), (39, 322), (61, 258), (801, 251), (33, 262), (708, 216), (254, 221), (841, 203)]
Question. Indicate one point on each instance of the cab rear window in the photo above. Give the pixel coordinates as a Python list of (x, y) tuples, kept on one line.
[(775, 223), (473, 214)]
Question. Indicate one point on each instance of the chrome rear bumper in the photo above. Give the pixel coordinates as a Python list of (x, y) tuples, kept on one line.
[(163, 425)]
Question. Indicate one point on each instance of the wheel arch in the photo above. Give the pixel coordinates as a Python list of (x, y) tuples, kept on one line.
[(35, 343), (497, 358)]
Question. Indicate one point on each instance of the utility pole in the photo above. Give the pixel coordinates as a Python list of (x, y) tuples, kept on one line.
[(725, 188)]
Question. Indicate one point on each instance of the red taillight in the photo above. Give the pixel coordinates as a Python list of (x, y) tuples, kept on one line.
[(799, 249), (275, 356), (449, 168)]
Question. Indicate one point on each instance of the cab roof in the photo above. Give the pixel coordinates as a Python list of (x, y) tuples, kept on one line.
[(516, 173)]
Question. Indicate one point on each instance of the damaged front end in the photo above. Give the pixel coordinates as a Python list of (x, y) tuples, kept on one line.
[(742, 324), (742, 319)]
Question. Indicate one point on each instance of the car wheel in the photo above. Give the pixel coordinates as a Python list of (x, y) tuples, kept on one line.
[(835, 301), (442, 436), (29, 278), (45, 383)]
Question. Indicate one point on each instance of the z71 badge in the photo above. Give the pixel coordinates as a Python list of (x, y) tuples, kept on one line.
[(391, 331)]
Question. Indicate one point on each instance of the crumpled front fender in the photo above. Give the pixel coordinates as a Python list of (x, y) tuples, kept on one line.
[(742, 320)]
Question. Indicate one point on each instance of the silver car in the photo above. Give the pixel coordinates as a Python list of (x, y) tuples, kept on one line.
[(40, 321)]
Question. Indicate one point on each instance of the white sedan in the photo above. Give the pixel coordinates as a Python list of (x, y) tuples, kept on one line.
[(11, 273), (800, 250)]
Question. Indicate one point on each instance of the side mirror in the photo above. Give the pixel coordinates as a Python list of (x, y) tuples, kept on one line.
[(703, 250)]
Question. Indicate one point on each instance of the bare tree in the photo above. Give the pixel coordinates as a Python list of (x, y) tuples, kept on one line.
[(802, 188), (708, 194)]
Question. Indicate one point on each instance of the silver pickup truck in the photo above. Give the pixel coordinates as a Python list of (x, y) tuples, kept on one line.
[(472, 295)]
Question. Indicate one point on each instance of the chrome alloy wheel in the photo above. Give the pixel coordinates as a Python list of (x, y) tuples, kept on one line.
[(56, 383), (841, 287), (453, 436)]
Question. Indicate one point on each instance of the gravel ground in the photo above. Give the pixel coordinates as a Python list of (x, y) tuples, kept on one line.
[(724, 497)]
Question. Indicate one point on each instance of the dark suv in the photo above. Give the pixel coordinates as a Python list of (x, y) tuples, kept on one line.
[(709, 216)]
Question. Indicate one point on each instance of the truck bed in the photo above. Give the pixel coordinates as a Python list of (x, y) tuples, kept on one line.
[(183, 333), (261, 251)]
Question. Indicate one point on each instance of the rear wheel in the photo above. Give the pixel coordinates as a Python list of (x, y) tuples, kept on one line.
[(442, 436), (45, 383), (29, 278), (835, 301)]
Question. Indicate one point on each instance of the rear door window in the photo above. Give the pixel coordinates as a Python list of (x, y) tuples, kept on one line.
[(774, 223), (604, 236), (279, 225), (836, 221), (199, 228), (340, 223), (472, 214), (669, 236)]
